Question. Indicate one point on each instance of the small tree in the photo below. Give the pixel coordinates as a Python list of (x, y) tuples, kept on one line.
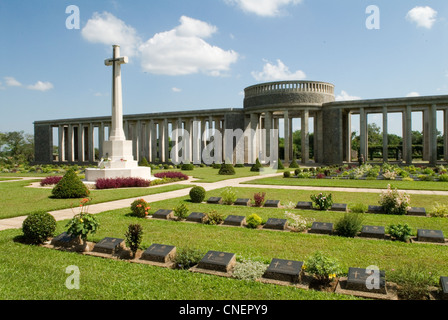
[(256, 166), (70, 186), (134, 237)]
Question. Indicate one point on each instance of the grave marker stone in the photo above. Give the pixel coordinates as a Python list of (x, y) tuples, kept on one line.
[(276, 224), (430, 236), (414, 211), (233, 220), (444, 285), (378, 232), (284, 270), (215, 200), (375, 209), (163, 214), (198, 217), (218, 261), (272, 203), (108, 245), (63, 240), (321, 228), (159, 253), (359, 280), (339, 207), (304, 205), (242, 202)]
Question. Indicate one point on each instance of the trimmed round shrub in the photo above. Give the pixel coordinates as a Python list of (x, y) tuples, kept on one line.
[(70, 187), (140, 208), (38, 227), (294, 164), (216, 165), (256, 166), (197, 194), (226, 169), (187, 166), (286, 174), (253, 221)]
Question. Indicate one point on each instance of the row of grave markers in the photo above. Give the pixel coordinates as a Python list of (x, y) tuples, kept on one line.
[(367, 231), (279, 271)]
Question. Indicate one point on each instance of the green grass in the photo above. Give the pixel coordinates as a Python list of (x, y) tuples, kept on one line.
[(7, 179), (18, 200), (209, 175), (342, 183)]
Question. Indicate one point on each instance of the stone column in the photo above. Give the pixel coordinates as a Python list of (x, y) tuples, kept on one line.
[(196, 141), (91, 143), (80, 143), (433, 135), (61, 143), (166, 141), (219, 127), (254, 137), (445, 134), (407, 135), (363, 143), (319, 141), (287, 132), (101, 139), (426, 134), (385, 138), (153, 141), (268, 127), (305, 136)]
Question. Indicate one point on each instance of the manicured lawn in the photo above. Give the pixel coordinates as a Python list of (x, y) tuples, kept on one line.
[(342, 183), (18, 200)]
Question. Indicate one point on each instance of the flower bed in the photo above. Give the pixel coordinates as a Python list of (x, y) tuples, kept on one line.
[(52, 180), (115, 183), (171, 175)]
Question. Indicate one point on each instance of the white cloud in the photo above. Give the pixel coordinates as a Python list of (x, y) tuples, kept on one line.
[(277, 72), (264, 8), (12, 82), (425, 17), (344, 96), (174, 89), (183, 51), (41, 86), (413, 94), (107, 29)]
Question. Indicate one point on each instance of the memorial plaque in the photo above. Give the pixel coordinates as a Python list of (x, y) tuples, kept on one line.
[(417, 212), (272, 203), (63, 240), (218, 261), (378, 232), (284, 270), (108, 245), (375, 209), (277, 224), (360, 280), (197, 217), (321, 228), (159, 253), (235, 220), (242, 202), (444, 285), (430, 236), (304, 205), (339, 207), (215, 200), (163, 214)]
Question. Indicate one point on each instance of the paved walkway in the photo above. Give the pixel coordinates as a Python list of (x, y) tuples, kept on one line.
[(15, 223)]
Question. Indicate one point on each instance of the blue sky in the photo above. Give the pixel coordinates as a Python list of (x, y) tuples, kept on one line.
[(201, 54)]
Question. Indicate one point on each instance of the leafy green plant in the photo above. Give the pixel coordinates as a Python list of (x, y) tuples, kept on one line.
[(322, 267), (38, 227), (256, 166), (197, 194), (228, 195), (226, 169), (322, 201), (358, 207), (297, 222), (253, 221), (400, 232), (443, 177), (70, 186), (294, 164), (414, 282), (394, 202), (249, 270), (187, 257), (140, 208), (83, 223), (259, 198), (439, 211), (134, 237), (187, 166), (181, 211), (350, 224), (286, 174), (214, 217)]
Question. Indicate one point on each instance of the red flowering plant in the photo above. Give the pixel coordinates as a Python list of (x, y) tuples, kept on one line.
[(140, 208)]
